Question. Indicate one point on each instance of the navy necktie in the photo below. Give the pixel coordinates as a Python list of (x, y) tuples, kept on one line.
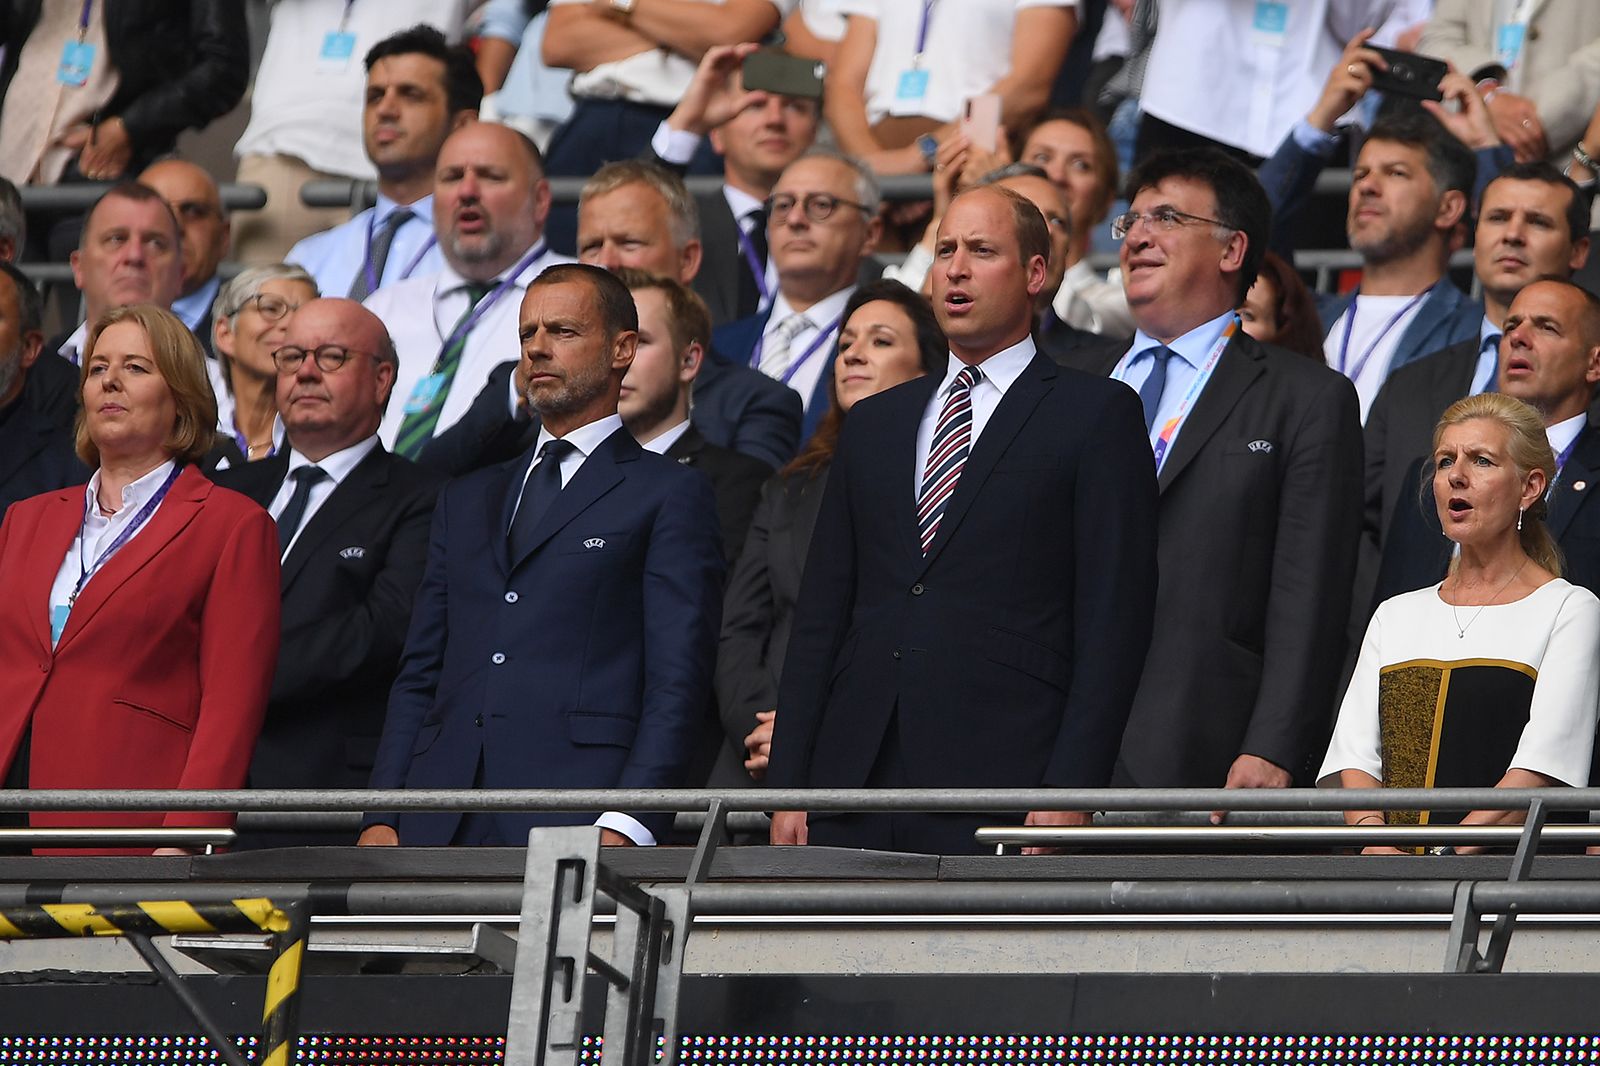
[(305, 479), (1154, 385), (1491, 343), (543, 486)]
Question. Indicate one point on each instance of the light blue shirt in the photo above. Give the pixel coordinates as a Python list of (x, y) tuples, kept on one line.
[(335, 256), (1488, 358), (1191, 350), (193, 307), (531, 90)]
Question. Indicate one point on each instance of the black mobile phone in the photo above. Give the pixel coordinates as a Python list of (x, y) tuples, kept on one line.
[(770, 70), (1409, 74)]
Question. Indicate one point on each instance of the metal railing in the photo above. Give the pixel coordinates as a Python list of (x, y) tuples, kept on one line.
[(77, 197)]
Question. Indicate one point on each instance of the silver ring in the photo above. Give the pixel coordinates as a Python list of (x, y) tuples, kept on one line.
[(1353, 70)]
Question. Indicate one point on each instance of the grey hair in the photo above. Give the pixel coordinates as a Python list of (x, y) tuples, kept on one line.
[(683, 211), (246, 285), (868, 190)]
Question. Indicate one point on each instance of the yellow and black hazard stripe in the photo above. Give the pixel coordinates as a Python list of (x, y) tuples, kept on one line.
[(280, 1014), (152, 918)]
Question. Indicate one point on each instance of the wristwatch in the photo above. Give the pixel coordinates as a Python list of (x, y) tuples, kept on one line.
[(1584, 159), (925, 144), (623, 8), (1442, 849)]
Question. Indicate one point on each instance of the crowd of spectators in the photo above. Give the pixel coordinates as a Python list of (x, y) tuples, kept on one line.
[(744, 467)]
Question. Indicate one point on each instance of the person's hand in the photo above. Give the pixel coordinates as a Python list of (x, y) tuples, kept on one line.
[(948, 166), (759, 744), (1382, 849), (104, 150), (378, 836), (980, 162), (1347, 82), (716, 93), (1516, 120), (1252, 771), (1470, 123), (610, 838), (1053, 818), (788, 828)]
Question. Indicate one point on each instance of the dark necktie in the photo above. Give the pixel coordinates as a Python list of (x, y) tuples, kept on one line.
[(947, 455), (1491, 343), (381, 243), (416, 429), (1154, 385), (305, 479), (543, 486), (749, 283)]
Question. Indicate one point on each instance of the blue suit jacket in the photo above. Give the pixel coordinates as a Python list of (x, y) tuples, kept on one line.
[(737, 342), (585, 663), (1448, 316)]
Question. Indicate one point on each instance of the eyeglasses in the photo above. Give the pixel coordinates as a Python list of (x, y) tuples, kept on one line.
[(818, 206), (1162, 218), (268, 306), (329, 358)]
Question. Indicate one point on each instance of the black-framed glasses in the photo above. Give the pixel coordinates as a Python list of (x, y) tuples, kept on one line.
[(1163, 218), (818, 206), (269, 306), (329, 358)]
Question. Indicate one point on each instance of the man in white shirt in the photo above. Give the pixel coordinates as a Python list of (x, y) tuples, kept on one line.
[(452, 327), (196, 201), (419, 89), (823, 221)]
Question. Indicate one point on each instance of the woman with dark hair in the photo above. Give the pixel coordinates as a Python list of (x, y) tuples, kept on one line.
[(1279, 310), (889, 337), (139, 630), (1491, 677)]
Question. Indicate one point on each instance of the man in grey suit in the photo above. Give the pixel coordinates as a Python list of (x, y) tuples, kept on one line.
[(1258, 456)]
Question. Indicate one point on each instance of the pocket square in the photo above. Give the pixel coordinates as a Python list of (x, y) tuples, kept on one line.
[(355, 551)]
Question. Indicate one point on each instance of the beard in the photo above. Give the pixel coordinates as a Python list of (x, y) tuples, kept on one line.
[(576, 390), (1400, 239)]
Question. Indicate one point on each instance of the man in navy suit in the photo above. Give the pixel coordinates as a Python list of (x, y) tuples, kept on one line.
[(821, 225), (564, 633), (978, 596)]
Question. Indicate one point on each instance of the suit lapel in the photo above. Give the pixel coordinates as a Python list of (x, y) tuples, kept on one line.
[(1013, 411), (1239, 366), (687, 448), (598, 475), (903, 457), (57, 528), (357, 492), (1577, 481), (183, 502)]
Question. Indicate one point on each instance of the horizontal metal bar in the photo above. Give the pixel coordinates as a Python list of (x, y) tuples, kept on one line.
[(119, 837), (1353, 836), (826, 799), (80, 196)]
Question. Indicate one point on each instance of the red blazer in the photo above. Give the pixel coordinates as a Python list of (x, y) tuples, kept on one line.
[(161, 677)]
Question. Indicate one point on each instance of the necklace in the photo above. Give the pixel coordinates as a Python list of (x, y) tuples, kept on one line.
[(1461, 630)]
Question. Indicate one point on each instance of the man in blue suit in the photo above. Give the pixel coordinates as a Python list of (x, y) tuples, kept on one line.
[(822, 223), (565, 629)]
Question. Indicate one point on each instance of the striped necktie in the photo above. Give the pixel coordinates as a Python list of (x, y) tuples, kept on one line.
[(417, 428), (952, 443), (381, 243), (776, 349)]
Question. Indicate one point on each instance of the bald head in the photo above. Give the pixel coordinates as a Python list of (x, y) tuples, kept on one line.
[(490, 199), (328, 410), (197, 203)]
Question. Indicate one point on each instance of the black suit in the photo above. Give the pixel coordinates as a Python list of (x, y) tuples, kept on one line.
[(721, 281), (51, 387), (1416, 553), (735, 478), (1009, 654), (348, 583), (36, 455), (1260, 512)]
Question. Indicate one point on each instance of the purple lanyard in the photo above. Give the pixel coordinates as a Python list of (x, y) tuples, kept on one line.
[(757, 267), (1561, 460), (811, 349), (366, 256), (922, 31), (85, 571), (464, 327), (83, 20), (1350, 325)]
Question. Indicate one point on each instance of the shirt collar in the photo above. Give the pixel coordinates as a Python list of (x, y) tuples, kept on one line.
[(193, 307), (135, 494), (449, 281), (740, 202), (1486, 329), (822, 313), (585, 438), (1562, 434), (1192, 347), (664, 441), (338, 465), (422, 208), (72, 349), (1000, 369)]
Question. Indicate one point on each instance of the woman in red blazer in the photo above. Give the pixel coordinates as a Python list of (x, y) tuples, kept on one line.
[(139, 625)]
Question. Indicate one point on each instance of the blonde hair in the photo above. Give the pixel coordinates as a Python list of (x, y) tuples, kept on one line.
[(1529, 450), (182, 365)]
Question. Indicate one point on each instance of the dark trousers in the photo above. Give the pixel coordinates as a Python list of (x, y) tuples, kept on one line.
[(599, 132), (917, 833), (1156, 135)]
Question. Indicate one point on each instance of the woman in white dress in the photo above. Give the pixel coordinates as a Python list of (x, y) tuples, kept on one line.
[(1491, 677)]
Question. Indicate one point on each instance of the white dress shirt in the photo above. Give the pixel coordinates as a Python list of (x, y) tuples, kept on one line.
[(584, 440), (663, 442), (420, 313), (1380, 322), (1562, 434), (1192, 349), (98, 532), (335, 257), (337, 466), (822, 315), (1000, 370), (72, 348)]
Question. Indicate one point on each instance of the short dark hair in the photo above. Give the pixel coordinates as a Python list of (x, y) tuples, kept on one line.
[(1539, 170), (1450, 163), (463, 88), (30, 305), (617, 311), (1241, 202), (138, 192), (691, 318)]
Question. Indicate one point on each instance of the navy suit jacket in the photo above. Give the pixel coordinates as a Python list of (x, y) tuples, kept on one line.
[(737, 342), (585, 663), (1009, 654)]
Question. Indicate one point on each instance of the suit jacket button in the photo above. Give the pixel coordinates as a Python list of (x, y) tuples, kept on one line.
[(897, 653), (917, 589), (478, 721), (498, 657), (511, 597)]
